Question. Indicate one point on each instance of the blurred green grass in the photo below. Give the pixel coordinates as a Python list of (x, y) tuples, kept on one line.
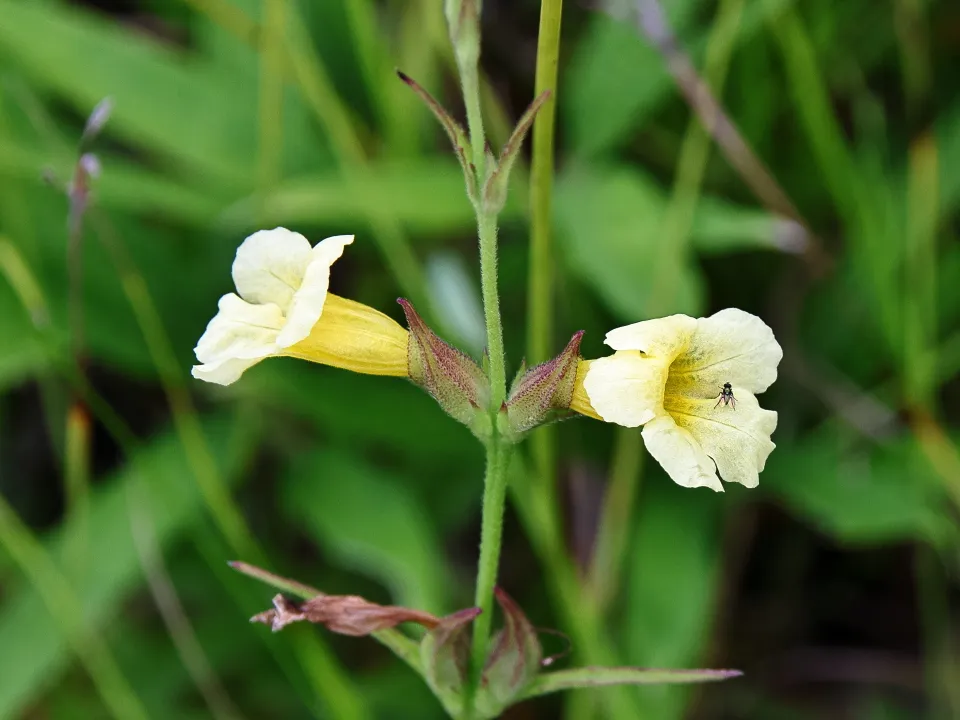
[(230, 115)]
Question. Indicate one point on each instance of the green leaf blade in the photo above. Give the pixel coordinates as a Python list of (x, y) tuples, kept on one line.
[(592, 677)]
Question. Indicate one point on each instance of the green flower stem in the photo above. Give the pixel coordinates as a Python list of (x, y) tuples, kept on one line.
[(495, 480), (491, 534), (467, 52), (487, 225), (470, 82)]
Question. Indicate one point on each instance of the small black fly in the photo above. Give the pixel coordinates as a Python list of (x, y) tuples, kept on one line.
[(726, 396)]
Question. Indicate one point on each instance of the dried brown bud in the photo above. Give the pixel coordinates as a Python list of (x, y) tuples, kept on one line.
[(343, 614)]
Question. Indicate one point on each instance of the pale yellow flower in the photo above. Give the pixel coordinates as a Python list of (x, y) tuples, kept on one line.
[(284, 308), (668, 375)]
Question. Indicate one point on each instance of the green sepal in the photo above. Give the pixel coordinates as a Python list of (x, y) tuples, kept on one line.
[(513, 661), (494, 194), (541, 394), (445, 654), (454, 380)]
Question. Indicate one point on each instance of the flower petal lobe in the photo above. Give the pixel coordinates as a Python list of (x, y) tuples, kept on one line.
[(270, 266), (627, 387), (663, 337), (730, 346), (680, 454), (307, 303), (738, 439)]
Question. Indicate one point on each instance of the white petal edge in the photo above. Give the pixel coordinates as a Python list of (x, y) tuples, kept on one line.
[(680, 454), (226, 372), (730, 346), (626, 388), (270, 266), (664, 337), (307, 304)]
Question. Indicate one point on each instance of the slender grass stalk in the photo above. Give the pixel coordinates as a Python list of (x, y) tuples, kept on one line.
[(270, 105), (920, 269), (174, 616), (24, 284), (209, 543), (422, 36), (812, 102), (77, 483), (613, 528), (939, 646), (655, 27), (329, 679), (587, 633), (67, 611), (913, 42), (341, 127), (540, 278), (223, 508), (694, 153), (322, 98), (865, 212), (330, 685), (362, 19)]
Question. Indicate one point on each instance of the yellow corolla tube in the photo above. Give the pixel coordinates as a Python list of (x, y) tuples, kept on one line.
[(283, 307), (692, 384)]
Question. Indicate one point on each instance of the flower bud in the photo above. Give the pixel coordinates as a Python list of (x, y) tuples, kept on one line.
[(454, 380), (542, 393), (514, 660), (463, 21), (495, 184), (445, 653)]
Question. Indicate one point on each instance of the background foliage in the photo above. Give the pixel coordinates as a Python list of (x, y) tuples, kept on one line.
[(833, 585)]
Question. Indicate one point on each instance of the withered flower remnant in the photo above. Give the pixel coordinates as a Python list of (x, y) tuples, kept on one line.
[(342, 614)]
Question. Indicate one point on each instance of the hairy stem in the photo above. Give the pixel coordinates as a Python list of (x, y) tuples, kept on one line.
[(491, 534), (487, 225), (466, 44), (470, 81)]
